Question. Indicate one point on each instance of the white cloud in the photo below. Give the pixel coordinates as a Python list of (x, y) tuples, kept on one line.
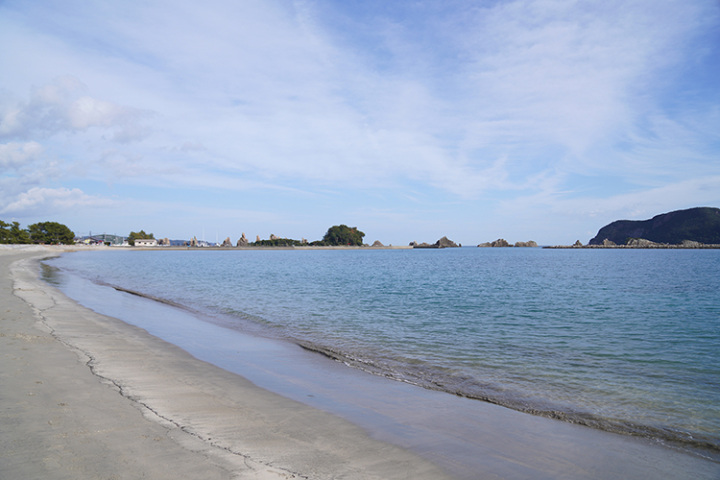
[(63, 106), (50, 201), (568, 73), (14, 155)]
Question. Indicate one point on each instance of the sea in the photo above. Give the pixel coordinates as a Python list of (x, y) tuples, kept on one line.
[(626, 341)]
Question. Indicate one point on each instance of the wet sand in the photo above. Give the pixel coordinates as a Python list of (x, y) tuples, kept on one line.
[(88, 396)]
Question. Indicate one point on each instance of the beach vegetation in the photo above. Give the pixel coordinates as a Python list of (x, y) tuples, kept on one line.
[(278, 242), (137, 236), (11, 233), (51, 233)]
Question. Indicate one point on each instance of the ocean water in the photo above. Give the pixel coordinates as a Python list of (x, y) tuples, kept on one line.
[(621, 340)]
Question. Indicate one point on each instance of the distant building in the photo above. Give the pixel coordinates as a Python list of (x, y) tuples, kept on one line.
[(146, 242), (102, 239)]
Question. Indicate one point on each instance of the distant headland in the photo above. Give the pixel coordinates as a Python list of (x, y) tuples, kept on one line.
[(692, 228)]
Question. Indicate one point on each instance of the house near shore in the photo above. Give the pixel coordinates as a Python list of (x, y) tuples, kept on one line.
[(146, 242)]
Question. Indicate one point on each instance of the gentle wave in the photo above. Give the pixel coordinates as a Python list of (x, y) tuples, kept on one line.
[(469, 387)]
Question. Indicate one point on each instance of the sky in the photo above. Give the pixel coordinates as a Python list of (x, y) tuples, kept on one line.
[(521, 119)]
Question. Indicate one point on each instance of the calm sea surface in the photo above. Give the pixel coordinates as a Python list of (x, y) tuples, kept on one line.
[(623, 340)]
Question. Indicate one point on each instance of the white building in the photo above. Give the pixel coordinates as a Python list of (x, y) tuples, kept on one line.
[(146, 242)]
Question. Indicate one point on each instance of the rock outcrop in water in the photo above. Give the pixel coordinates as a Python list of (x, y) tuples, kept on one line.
[(500, 242), (243, 241), (444, 242), (701, 225)]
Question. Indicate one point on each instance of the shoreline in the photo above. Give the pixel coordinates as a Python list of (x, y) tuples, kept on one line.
[(200, 420), (541, 446)]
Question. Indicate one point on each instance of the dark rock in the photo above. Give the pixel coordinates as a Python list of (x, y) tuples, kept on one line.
[(500, 242), (444, 242)]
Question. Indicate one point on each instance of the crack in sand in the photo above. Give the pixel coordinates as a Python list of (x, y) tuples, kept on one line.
[(93, 364)]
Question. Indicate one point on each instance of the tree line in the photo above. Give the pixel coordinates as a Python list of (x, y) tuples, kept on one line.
[(39, 233)]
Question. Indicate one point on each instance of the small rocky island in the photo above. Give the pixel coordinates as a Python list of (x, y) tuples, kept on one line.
[(444, 242), (501, 242), (692, 228)]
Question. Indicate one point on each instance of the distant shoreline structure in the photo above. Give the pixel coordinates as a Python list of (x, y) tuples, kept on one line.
[(656, 246)]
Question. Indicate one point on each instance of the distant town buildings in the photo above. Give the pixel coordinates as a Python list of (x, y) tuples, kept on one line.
[(102, 239)]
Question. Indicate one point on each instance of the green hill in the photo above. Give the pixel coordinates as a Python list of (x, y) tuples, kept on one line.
[(701, 224)]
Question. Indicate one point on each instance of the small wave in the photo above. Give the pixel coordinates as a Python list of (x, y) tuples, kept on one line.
[(471, 388), (164, 301)]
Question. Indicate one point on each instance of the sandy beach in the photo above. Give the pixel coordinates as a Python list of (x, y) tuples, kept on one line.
[(88, 396)]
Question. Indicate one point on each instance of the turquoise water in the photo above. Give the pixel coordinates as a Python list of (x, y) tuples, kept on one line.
[(622, 340)]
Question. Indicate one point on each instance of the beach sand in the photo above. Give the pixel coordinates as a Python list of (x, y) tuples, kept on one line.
[(88, 396)]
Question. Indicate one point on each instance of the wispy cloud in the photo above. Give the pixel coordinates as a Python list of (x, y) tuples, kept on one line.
[(14, 155), (63, 106)]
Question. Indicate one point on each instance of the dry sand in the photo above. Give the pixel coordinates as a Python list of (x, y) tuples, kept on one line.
[(84, 396)]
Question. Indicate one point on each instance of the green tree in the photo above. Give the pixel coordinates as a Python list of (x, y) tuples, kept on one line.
[(278, 242), (138, 235), (51, 233), (343, 235), (12, 233), (19, 235), (4, 232)]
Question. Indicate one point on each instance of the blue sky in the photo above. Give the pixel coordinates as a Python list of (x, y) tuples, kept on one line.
[(527, 119)]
